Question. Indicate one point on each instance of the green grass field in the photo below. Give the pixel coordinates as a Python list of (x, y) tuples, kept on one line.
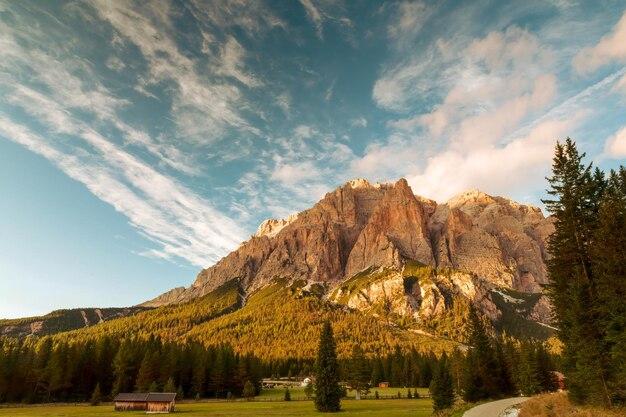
[(299, 392), (370, 408)]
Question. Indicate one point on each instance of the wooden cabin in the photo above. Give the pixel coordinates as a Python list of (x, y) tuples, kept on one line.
[(160, 402), (383, 385), (131, 401), (154, 402)]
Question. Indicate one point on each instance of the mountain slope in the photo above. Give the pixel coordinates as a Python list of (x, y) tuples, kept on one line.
[(62, 320), (496, 242)]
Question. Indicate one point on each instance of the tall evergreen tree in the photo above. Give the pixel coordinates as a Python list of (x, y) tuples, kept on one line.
[(358, 372), (575, 198), (169, 386), (442, 386), (146, 376), (609, 269), (327, 390)]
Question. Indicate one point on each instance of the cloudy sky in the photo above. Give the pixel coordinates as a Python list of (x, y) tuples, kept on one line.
[(142, 141)]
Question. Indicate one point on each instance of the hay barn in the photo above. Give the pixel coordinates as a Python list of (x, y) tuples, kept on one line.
[(154, 402), (130, 401), (162, 402)]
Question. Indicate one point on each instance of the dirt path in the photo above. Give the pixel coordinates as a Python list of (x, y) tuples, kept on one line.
[(493, 409)]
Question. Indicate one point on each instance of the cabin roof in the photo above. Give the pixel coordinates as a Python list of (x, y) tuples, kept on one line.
[(161, 397), (157, 397), (131, 397)]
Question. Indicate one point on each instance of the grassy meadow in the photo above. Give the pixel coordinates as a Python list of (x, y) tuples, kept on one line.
[(372, 408), (297, 392)]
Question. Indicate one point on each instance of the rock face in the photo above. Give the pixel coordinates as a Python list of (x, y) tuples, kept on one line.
[(494, 241), (501, 241)]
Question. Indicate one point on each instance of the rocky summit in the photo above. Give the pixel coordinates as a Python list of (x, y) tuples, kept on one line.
[(373, 236)]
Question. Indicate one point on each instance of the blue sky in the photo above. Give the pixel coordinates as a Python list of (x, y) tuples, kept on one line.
[(143, 141)]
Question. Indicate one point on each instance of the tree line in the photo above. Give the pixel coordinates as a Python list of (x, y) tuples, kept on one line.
[(587, 273)]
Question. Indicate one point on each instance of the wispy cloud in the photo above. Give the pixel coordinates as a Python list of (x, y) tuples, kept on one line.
[(64, 98), (181, 223), (202, 109), (314, 15), (611, 48), (359, 122)]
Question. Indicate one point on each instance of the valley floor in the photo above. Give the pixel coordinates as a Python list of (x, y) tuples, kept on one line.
[(371, 408)]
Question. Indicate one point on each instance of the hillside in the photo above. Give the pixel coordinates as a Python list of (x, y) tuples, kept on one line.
[(62, 321)]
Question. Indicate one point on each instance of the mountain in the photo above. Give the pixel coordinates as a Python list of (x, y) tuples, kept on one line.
[(388, 268), (487, 249), (62, 320)]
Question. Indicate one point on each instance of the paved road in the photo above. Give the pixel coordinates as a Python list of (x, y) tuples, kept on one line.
[(493, 409)]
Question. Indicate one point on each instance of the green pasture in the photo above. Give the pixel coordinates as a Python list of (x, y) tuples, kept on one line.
[(297, 392), (371, 408)]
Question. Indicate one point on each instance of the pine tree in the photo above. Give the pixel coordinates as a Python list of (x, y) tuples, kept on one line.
[(442, 387), (249, 390), (529, 381), (609, 268), (327, 390), (145, 377), (96, 396), (576, 195), (481, 374), (377, 373), (287, 396), (358, 372), (153, 387), (169, 386)]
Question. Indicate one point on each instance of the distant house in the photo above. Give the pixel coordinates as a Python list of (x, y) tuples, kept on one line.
[(383, 385), (154, 402), (560, 379)]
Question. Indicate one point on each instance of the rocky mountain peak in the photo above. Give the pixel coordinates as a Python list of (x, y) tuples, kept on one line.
[(360, 226), (271, 227), (473, 196)]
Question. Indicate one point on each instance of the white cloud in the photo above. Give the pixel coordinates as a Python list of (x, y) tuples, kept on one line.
[(252, 16), (232, 63), (407, 21), (359, 122), (620, 86), (521, 163), (611, 48), (115, 64), (304, 131), (202, 109), (283, 101), (498, 65), (615, 146), (291, 174), (314, 16)]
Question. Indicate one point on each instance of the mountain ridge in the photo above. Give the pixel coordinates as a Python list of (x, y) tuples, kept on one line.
[(360, 225)]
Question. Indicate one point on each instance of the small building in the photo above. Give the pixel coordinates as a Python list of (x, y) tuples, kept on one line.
[(161, 402), (383, 385), (153, 402), (131, 401), (560, 379)]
